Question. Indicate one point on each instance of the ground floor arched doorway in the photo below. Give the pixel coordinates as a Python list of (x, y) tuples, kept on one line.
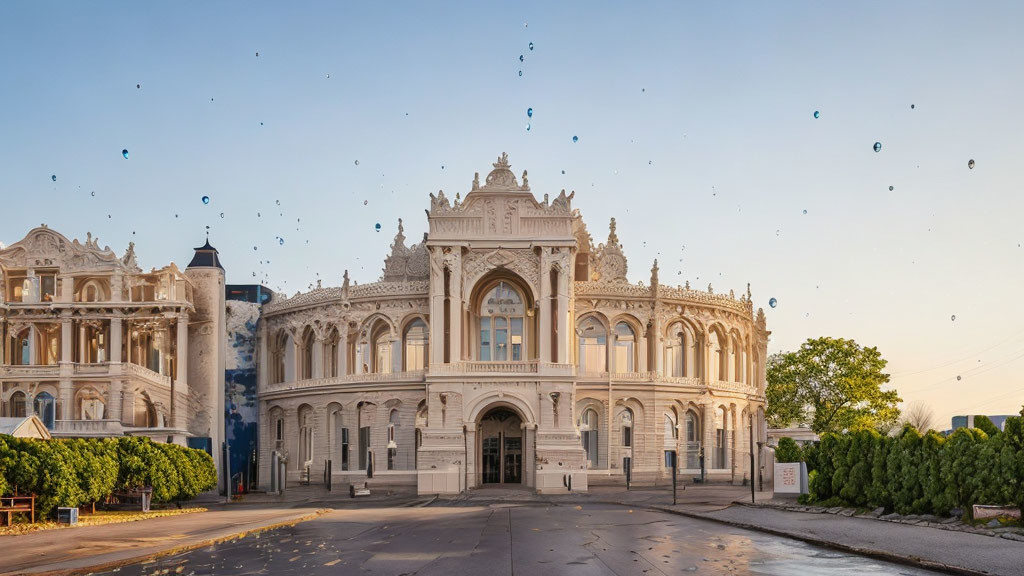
[(501, 446)]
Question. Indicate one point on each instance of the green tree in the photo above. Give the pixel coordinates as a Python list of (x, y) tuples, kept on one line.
[(985, 425), (788, 451), (834, 384)]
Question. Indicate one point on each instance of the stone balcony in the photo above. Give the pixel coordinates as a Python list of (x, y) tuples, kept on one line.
[(526, 370), (91, 371), (87, 428), (348, 380), (30, 372)]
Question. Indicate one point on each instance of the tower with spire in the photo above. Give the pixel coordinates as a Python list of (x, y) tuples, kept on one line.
[(206, 350)]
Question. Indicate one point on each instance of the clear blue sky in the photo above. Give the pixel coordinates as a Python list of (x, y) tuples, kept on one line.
[(695, 126)]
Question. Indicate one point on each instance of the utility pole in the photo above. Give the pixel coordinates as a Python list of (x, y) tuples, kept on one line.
[(752, 499)]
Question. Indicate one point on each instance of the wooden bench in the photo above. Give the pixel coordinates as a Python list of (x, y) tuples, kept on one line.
[(11, 505)]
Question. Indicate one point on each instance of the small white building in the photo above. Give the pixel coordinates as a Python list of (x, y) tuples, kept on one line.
[(25, 427), (799, 435)]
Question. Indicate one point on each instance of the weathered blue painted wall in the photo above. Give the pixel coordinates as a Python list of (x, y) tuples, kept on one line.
[(241, 406)]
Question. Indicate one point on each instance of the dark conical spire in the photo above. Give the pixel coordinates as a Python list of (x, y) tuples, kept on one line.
[(205, 257)]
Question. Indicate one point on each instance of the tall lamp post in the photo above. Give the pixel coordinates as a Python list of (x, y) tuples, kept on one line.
[(752, 498)]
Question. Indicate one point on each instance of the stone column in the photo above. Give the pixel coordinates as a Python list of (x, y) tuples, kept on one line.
[(562, 322), (436, 307), (262, 358), (81, 343), (33, 345), (66, 395), (659, 350), (455, 305), (318, 357), (181, 353), (67, 288), (116, 336), (114, 401), (128, 408), (342, 358), (470, 459), (709, 435), (66, 336), (546, 321)]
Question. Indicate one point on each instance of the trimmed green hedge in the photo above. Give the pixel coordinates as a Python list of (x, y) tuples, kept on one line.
[(77, 472), (919, 474), (788, 451)]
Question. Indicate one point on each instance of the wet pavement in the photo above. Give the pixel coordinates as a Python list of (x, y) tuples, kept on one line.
[(508, 539)]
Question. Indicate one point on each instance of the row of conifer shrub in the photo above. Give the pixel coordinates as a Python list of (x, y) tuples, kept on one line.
[(80, 472), (914, 473)]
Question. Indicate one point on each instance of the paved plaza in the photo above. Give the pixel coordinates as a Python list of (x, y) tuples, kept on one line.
[(508, 539)]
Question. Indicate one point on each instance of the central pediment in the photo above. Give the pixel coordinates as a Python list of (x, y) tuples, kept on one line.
[(501, 208)]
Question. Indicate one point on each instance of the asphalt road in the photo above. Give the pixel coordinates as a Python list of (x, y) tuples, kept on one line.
[(503, 540)]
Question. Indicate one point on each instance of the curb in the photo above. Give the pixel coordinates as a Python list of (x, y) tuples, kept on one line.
[(870, 552), (171, 551)]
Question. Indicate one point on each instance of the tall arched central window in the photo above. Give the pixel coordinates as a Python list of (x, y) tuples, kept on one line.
[(416, 339), (593, 345), (502, 314), (625, 347)]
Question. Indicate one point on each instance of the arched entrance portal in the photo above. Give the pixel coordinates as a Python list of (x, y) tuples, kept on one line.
[(501, 447)]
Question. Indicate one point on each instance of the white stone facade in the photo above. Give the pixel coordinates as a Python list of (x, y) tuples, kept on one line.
[(96, 347), (506, 347)]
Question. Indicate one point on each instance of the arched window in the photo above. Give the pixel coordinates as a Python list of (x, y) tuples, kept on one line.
[(691, 427), (17, 402), (625, 348), (739, 359), (392, 425), (679, 357), (719, 356), (589, 426), (277, 425), (392, 440), (593, 345), (305, 436), (338, 449), (330, 356), (381, 339), (722, 440), (278, 351), (693, 440), (626, 420), (144, 413), (20, 348), (671, 430), (421, 423), (90, 405), (366, 411), (502, 313), (416, 345), (306, 363), (44, 407)]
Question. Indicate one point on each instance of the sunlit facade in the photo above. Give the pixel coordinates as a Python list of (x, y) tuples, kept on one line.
[(506, 348), (97, 347)]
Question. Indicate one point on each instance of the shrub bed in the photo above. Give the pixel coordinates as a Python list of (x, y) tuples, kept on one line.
[(913, 473), (77, 472)]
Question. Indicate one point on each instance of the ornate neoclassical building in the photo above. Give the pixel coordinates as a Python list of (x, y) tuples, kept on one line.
[(96, 347), (505, 347)]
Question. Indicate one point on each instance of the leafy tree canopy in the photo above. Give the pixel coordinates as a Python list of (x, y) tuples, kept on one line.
[(982, 422), (834, 384)]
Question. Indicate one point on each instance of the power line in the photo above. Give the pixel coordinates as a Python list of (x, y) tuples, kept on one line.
[(968, 357)]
